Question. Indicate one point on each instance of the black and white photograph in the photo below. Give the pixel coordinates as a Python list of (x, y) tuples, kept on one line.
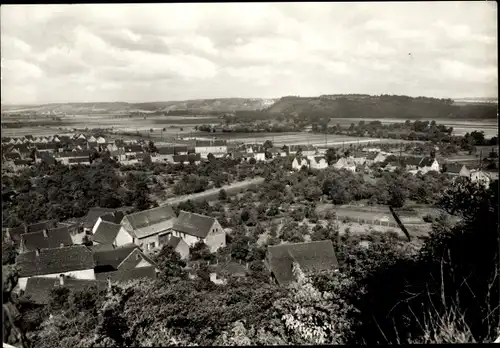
[(249, 174)]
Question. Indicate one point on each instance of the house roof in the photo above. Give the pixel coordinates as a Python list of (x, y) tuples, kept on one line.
[(115, 217), (203, 143), (38, 288), (112, 257), (150, 217), (42, 225), (12, 155), (133, 148), (53, 261), (78, 160), (21, 162), (426, 162), (106, 232), (128, 274), (454, 168), (173, 241), (166, 150), (371, 155), (412, 161), (94, 214), (193, 224), (133, 259), (55, 237), (311, 256)]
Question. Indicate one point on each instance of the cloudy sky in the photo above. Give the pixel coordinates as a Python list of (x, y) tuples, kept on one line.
[(160, 52)]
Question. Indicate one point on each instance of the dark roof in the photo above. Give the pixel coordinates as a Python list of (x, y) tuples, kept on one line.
[(42, 225), (173, 241), (38, 288), (193, 224), (166, 150), (94, 214), (53, 261), (106, 232), (78, 160), (12, 155), (115, 217), (21, 162), (371, 155), (55, 237), (46, 146), (187, 158), (181, 148), (133, 148), (219, 143), (15, 233), (412, 161), (111, 258), (311, 256), (453, 168), (426, 162), (203, 143), (149, 217), (128, 274)]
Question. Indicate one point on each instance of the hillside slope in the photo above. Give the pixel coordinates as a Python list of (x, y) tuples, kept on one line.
[(384, 106), (200, 105)]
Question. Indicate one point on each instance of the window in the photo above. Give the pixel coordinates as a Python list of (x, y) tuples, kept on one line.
[(138, 256), (151, 246)]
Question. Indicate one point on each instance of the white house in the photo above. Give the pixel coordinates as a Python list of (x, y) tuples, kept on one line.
[(345, 163), (298, 164), (74, 261), (317, 162), (428, 164), (204, 147), (480, 177), (101, 140), (193, 227), (92, 139), (149, 228)]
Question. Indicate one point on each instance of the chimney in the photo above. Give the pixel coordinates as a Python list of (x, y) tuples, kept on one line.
[(37, 252), (45, 233), (61, 279)]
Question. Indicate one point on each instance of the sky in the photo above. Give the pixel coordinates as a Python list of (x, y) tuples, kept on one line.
[(162, 52)]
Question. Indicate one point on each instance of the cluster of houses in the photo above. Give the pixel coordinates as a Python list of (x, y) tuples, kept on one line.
[(119, 249)]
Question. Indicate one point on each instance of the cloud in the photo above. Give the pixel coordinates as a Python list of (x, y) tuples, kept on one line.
[(142, 52)]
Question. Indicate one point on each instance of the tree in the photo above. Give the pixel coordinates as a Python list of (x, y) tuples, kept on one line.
[(200, 251), (331, 155), (267, 144), (222, 195), (151, 147), (170, 264), (211, 157)]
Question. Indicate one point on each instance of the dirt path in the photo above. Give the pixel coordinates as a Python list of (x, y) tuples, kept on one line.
[(213, 193)]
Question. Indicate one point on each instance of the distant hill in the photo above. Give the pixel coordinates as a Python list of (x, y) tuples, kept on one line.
[(201, 105), (383, 106)]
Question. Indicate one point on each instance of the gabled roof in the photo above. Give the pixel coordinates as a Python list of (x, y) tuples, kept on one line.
[(166, 150), (129, 274), (55, 237), (412, 161), (94, 214), (109, 259), (106, 232), (38, 288), (453, 168), (42, 225), (21, 162), (311, 256), (193, 224), (203, 143), (115, 217), (78, 160), (426, 162), (12, 155), (150, 217), (173, 241), (133, 259), (53, 261)]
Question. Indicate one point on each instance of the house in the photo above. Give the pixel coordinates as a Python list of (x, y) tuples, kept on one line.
[(186, 159), (128, 274), (297, 163), (112, 147), (317, 162), (391, 166), (193, 227), (221, 272), (480, 177), (47, 147), (94, 214), (345, 163), (179, 245), (92, 139), (358, 157), (46, 239), (38, 289), (455, 169), (125, 257), (20, 164), (428, 164), (310, 256), (78, 161), (412, 163), (114, 217), (380, 157), (101, 140), (276, 152), (11, 156), (149, 228), (75, 261), (110, 233), (204, 147)]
